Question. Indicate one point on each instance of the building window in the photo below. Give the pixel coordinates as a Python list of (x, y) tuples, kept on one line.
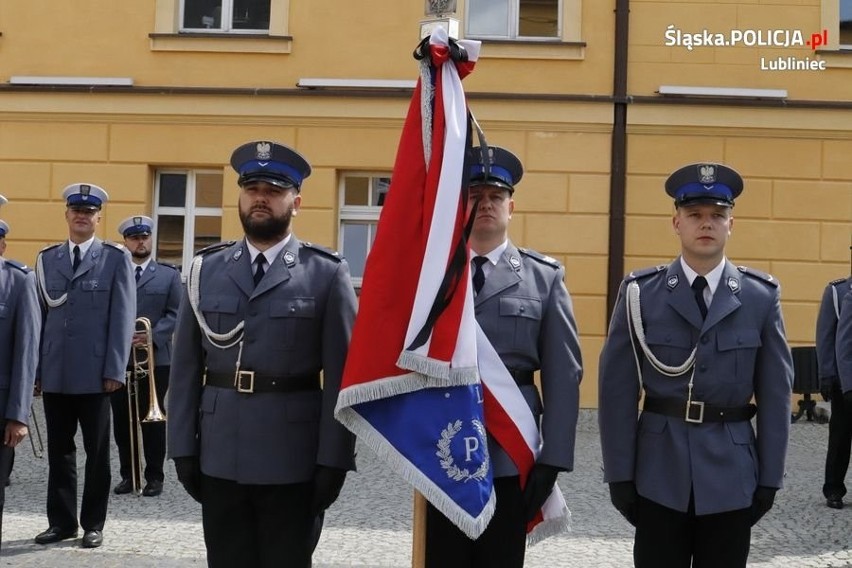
[(845, 24), (225, 15), (514, 19), (187, 213), (361, 198)]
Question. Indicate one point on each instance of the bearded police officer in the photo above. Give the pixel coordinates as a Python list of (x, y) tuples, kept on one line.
[(89, 303), (20, 327), (525, 311), (700, 337), (158, 290), (251, 429)]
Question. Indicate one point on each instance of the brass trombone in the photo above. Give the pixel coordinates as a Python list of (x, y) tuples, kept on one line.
[(143, 366)]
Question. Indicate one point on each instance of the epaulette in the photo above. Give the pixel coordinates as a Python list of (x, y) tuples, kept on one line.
[(19, 265), (115, 245), (215, 247), (637, 274), (768, 278), (838, 281), (535, 255), (324, 250), (48, 247), (167, 264)]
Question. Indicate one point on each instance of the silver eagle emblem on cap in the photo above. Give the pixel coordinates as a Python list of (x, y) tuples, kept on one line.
[(706, 173), (263, 151), (137, 220)]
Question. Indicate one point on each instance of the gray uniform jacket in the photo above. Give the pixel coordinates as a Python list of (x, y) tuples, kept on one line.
[(843, 349), (525, 311), (741, 353), (826, 328), (158, 295), (20, 328), (298, 321), (87, 338)]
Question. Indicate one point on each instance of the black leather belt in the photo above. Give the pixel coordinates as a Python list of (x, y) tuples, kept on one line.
[(698, 412), (251, 382), (523, 378)]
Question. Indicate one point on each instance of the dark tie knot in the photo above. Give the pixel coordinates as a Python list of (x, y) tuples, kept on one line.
[(478, 273), (478, 261), (138, 273), (699, 283), (260, 262)]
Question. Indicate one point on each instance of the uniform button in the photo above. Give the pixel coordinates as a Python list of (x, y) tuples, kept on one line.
[(668, 339), (522, 309), (739, 341), (292, 309), (702, 368), (704, 339)]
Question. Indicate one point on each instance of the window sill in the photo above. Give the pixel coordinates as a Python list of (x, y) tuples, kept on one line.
[(520, 49), (218, 42), (836, 59)]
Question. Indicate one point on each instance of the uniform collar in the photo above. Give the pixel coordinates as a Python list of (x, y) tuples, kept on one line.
[(271, 252), (84, 247), (495, 255), (143, 266), (713, 277)]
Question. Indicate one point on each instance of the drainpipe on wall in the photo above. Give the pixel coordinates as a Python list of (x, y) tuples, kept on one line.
[(618, 159)]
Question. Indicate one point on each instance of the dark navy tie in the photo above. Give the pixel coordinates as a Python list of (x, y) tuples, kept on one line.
[(478, 273), (259, 271), (698, 286), (76, 262), (138, 273)]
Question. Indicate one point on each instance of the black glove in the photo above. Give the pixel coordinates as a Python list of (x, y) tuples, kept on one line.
[(764, 497), (826, 386), (328, 481), (625, 498), (189, 474), (539, 485)]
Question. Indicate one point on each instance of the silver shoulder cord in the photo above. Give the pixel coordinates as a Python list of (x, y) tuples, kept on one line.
[(634, 325), (836, 302), (42, 287), (193, 289)]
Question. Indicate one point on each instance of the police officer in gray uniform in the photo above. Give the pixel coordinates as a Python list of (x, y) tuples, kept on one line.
[(843, 348), (250, 427), (840, 425), (699, 338), (524, 309), (89, 303), (20, 327), (158, 291)]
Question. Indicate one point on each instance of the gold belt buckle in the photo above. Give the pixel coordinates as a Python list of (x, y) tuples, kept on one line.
[(694, 404), (239, 381)]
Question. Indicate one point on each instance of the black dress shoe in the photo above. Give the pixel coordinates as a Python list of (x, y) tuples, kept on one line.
[(54, 534), (834, 502), (153, 488), (92, 539), (126, 486)]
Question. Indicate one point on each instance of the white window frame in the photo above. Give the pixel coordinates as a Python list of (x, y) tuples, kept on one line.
[(359, 214), (225, 26), (189, 211), (514, 24)]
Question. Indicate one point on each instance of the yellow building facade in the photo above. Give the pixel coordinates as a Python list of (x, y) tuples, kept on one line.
[(148, 98)]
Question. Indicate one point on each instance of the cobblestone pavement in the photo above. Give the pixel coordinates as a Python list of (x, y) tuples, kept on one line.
[(370, 525)]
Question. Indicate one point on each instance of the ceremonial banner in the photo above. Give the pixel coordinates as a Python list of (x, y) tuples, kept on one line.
[(411, 388)]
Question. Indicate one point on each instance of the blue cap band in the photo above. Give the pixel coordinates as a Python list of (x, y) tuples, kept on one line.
[(501, 174), (273, 169), (78, 199), (136, 230), (698, 190)]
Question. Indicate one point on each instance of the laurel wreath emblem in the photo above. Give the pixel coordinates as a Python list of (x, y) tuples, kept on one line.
[(448, 463)]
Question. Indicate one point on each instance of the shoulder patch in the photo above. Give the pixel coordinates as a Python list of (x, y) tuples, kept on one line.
[(214, 248), (19, 265), (535, 255), (324, 250), (754, 273), (644, 272)]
